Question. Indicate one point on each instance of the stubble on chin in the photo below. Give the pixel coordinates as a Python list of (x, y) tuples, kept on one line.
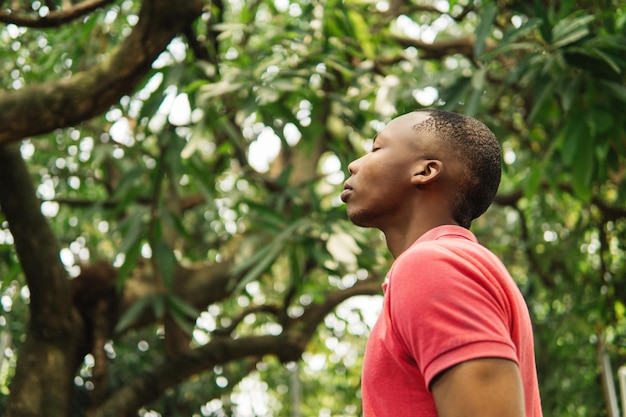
[(361, 218)]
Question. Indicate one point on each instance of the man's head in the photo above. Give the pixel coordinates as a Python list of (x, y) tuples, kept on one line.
[(472, 144), (443, 164)]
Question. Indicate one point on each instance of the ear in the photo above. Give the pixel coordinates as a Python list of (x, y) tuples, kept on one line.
[(426, 171)]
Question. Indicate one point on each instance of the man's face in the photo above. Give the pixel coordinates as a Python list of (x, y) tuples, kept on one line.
[(380, 182)]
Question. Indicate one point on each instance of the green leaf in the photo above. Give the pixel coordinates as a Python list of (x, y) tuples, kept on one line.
[(181, 306), (14, 269), (533, 180), (209, 91), (132, 227), (525, 29), (133, 312), (569, 92), (620, 310), (183, 321), (158, 306), (544, 94), (523, 69), (362, 33), (582, 171), (478, 79), (151, 105), (297, 261), (483, 30), (175, 221), (478, 86), (546, 26), (601, 63), (455, 94), (572, 136), (610, 60), (568, 31), (173, 159), (266, 217), (173, 74), (528, 47), (343, 67), (130, 260), (615, 89), (166, 261), (130, 179), (578, 154), (473, 104), (260, 262), (599, 121), (195, 85)]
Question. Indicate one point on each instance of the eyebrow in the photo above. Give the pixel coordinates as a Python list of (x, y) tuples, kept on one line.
[(375, 136)]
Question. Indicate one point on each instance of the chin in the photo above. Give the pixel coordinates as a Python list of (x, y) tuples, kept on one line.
[(361, 218)]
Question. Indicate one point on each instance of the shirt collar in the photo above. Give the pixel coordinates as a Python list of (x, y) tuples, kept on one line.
[(447, 230)]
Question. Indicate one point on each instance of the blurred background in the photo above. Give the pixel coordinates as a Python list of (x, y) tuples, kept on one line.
[(172, 241)]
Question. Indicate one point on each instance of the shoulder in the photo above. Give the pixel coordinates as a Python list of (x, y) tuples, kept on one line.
[(428, 264), (449, 261), (424, 253), (444, 249)]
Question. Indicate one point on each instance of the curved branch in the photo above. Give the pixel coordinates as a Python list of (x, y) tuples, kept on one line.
[(54, 18), (445, 47), (315, 313), (36, 246), (287, 346), (150, 385), (228, 330), (66, 102)]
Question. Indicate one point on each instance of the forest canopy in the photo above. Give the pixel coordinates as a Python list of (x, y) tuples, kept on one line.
[(171, 236)]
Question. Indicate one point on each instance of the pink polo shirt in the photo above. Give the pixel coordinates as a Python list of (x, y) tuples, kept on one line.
[(447, 300)]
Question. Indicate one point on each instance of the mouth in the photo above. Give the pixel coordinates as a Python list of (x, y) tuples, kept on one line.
[(347, 190)]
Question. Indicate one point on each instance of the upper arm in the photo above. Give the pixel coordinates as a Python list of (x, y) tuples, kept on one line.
[(488, 387)]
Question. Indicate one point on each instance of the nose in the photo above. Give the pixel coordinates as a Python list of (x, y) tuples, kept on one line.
[(353, 166)]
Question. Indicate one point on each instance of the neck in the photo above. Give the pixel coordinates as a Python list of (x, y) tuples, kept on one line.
[(422, 211), (399, 239)]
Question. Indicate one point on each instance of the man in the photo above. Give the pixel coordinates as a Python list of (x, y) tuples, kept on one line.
[(454, 338)]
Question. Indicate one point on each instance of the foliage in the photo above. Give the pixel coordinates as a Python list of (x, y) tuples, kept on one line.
[(207, 172)]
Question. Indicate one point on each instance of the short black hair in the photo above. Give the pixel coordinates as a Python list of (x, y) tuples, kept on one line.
[(477, 147)]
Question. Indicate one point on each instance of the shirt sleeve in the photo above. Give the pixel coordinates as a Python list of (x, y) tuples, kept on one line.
[(445, 309)]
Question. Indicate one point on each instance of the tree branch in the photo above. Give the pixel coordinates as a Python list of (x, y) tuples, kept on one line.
[(287, 346), (54, 18), (443, 48), (149, 386), (315, 313), (264, 308), (66, 102), (36, 246)]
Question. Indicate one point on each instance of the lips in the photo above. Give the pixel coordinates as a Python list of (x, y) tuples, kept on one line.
[(347, 190)]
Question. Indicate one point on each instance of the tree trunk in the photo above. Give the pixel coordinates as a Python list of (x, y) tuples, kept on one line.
[(43, 384), (43, 381)]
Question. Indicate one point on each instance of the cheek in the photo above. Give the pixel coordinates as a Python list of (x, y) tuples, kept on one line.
[(383, 170), (393, 173)]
